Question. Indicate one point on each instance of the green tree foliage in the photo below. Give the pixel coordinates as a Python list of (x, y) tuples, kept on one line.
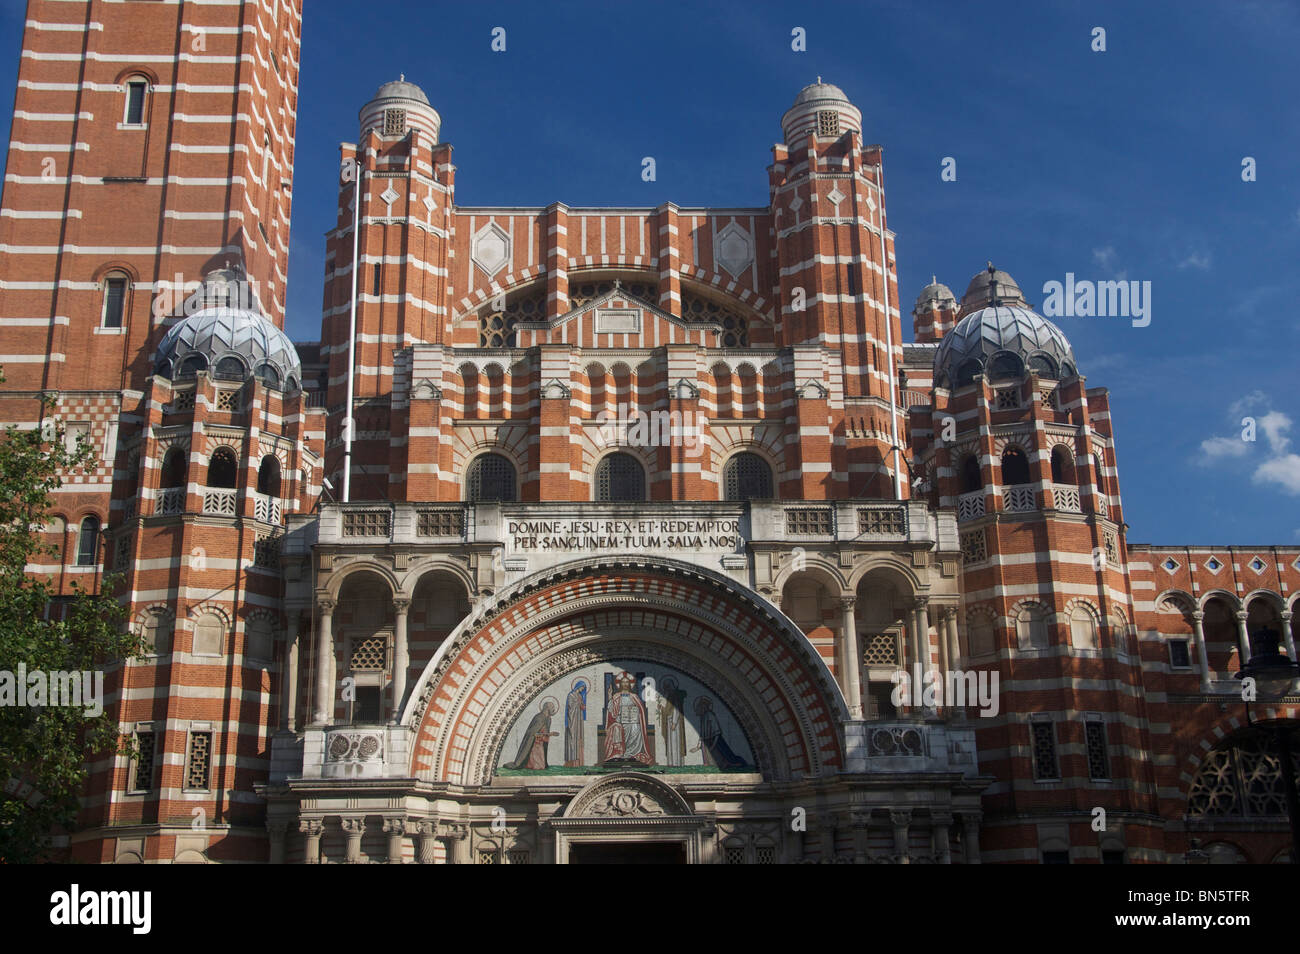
[(44, 749)]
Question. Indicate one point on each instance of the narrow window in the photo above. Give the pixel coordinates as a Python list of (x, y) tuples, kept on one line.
[(135, 93), (376, 281), (1180, 656), (223, 469), (394, 122), (198, 763), (1043, 738), (114, 302), (88, 542), (1098, 759), (142, 765)]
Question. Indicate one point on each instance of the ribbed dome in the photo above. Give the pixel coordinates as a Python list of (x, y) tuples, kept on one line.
[(814, 92), (232, 343), (935, 294), (401, 89), (1001, 342), (991, 286)]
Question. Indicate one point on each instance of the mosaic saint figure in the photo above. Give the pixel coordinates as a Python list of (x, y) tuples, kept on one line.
[(575, 718), (714, 746), (625, 724), (532, 747), (672, 724)]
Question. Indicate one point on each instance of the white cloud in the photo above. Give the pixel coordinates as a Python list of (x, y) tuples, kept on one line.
[(1199, 260), (1283, 470), (1104, 257), (1217, 448), (1275, 425)]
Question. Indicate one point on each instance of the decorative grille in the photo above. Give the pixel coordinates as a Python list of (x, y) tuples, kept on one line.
[(227, 400), (1112, 549), (171, 501), (121, 553), (366, 523), (828, 123), (1050, 398), (974, 546), (266, 509), (443, 522), (1007, 399), (620, 479), (891, 520), (491, 479), (735, 327), (517, 856), (881, 650), (733, 854), (971, 505), (584, 293), (810, 521), (496, 327), (145, 742), (266, 552), (183, 401), (886, 741), (1243, 779), (1098, 763), (1019, 499), (197, 771), (1066, 498), (1044, 742), (394, 122), (370, 654), (765, 855), (220, 502), (748, 477)]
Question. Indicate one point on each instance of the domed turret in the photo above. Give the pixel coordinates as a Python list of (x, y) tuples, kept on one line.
[(396, 108), (935, 295), (820, 108), (992, 286), (230, 337), (1002, 342)]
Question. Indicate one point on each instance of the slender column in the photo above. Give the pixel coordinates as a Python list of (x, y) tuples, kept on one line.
[(324, 664), (289, 695), (941, 822), (311, 827), (923, 643), (970, 823), (428, 841), (277, 828), (954, 641), (1198, 633), (1287, 635), (861, 822), (1243, 638), (852, 683), (401, 655), (826, 827), (395, 829), (355, 827), (901, 821), (941, 632)]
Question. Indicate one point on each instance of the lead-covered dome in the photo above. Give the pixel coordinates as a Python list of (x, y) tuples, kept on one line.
[(991, 286), (820, 108), (396, 108), (232, 343), (1002, 342)]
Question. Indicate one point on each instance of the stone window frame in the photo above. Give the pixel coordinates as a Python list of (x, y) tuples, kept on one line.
[(139, 732), (195, 730)]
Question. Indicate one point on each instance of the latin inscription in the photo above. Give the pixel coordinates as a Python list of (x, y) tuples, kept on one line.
[(637, 534)]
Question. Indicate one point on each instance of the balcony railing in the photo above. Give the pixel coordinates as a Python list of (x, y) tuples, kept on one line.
[(1066, 498), (170, 501), (971, 505), (267, 509), (1020, 499), (223, 503)]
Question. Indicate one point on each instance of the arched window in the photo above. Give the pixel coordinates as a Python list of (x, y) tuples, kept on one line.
[(1242, 776), (134, 107), (980, 638), (223, 469), (1043, 366), (158, 627), (173, 469), (491, 479), (968, 372), (1031, 627), (209, 635), (1083, 629), (970, 475), (230, 368), (88, 542), (1015, 466), (267, 374), (114, 312), (1062, 465), (268, 476), (620, 478), (193, 365), (1005, 366), (747, 477)]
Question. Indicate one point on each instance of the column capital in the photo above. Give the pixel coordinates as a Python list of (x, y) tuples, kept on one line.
[(1286, 615), (353, 824), (394, 824), (848, 602), (900, 818), (921, 603), (401, 605), (1241, 615), (310, 826), (325, 602), (1198, 615)]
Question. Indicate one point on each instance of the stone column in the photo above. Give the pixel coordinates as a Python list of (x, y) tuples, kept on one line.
[(395, 829), (954, 641), (852, 683), (1287, 635), (861, 822), (923, 644), (354, 826), (941, 822), (289, 695), (970, 824), (457, 837), (1198, 634), (311, 827), (428, 841), (325, 664), (1243, 638), (401, 655), (277, 828), (901, 820), (941, 633)]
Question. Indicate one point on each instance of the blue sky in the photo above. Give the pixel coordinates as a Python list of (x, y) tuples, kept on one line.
[(1124, 163)]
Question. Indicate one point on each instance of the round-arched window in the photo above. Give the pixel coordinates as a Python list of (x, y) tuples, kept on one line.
[(491, 479), (747, 477), (620, 478), (1015, 466), (1005, 366), (223, 469), (268, 476), (267, 374), (971, 480), (230, 368), (193, 365)]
